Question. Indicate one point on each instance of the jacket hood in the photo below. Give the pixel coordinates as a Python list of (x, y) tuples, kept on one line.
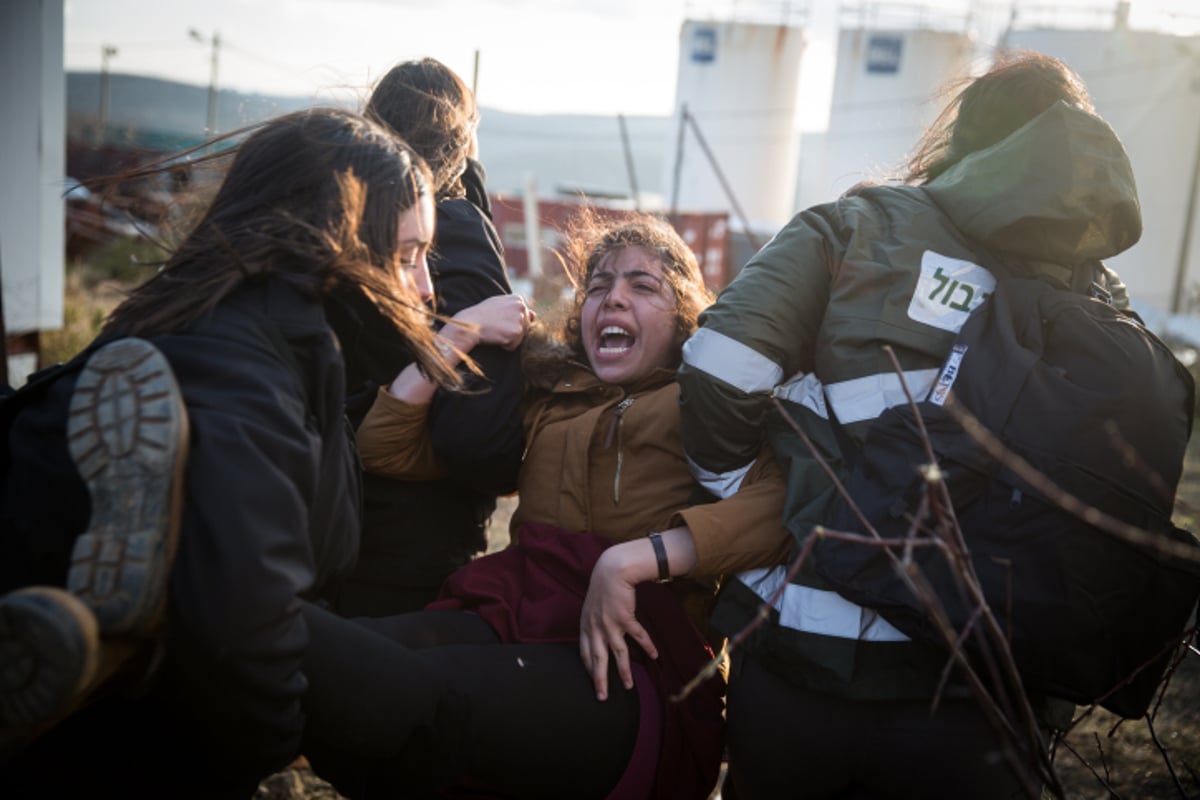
[(1059, 189)]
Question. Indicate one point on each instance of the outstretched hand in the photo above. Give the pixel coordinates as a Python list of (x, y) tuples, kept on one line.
[(608, 622), (501, 320)]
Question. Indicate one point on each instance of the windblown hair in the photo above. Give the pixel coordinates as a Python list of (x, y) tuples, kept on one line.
[(311, 199), (590, 241), (430, 108), (1019, 86)]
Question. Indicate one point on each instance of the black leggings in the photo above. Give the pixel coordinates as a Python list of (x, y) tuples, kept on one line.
[(386, 719), (790, 742)]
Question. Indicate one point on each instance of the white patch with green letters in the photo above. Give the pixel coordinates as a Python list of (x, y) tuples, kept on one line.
[(948, 290)]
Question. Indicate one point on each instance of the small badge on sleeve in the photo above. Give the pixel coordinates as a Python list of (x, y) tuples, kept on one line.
[(945, 381)]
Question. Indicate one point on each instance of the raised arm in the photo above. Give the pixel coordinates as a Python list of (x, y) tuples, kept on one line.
[(760, 332), (478, 434), (500, 321), (395, 437)]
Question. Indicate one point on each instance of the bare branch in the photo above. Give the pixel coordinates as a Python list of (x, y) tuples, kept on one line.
[(1103, 760), (1000, 695), (1102, 780), (993, 647), (1166, 758)]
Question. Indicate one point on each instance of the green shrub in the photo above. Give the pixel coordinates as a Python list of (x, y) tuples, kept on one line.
[(128, 262), (95, 285)]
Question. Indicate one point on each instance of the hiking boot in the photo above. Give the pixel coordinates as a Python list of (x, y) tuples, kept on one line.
[(49, 646), (127, 433)]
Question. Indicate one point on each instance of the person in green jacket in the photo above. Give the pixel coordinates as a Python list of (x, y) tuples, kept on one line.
[(827, 699)]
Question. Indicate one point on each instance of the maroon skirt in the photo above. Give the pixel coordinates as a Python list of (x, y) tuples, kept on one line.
[(533, 592)]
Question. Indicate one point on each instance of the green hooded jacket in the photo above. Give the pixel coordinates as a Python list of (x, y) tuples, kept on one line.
[(810, 317)]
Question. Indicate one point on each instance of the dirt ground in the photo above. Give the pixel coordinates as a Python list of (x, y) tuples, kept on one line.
[(1131, 763)]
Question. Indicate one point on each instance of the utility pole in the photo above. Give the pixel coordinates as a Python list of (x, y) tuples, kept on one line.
[(106, 52), (633, 185), (1189, 220), (678, 173), (475, 79), (4, 384), (1185, 245), (533, 234), (716, 166), (211, 128)]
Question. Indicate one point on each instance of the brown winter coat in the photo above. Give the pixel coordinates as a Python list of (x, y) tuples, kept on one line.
[(619, 474), (610, 460)]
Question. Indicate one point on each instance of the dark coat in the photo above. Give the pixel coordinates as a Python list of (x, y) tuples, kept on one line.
[(270, 515), (415, 533)]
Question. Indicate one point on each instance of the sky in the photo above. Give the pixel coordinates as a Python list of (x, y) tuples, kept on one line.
[(535, 56)]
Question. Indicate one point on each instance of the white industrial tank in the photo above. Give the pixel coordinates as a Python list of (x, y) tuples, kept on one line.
[(885, 93), (738, 82)]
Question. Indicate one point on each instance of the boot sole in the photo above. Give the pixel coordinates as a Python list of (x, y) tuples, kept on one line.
[(127, 433), (49, 644)]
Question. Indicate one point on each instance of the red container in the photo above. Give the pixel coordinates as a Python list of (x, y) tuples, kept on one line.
[(706, 233)]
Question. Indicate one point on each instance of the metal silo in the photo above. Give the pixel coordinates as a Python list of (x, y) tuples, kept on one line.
[(891, 63), (734, 145), (1147, 85)]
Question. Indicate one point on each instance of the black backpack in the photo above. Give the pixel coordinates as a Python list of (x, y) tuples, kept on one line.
[(1089, 618)]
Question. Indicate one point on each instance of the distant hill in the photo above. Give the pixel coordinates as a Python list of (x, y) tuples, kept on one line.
[(571, 153), (144, 109), (565, 153)]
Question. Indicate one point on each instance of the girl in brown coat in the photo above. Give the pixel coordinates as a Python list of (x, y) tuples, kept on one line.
[(603, 456)]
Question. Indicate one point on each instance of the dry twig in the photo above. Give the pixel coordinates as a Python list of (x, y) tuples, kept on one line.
[(1001, 697)]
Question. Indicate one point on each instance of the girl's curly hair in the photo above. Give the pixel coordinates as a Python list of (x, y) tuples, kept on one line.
[(593, 236)]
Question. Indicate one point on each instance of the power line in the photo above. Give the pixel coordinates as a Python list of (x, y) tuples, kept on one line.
[(89, 45), (484, 130), (290, 69), (153, 45)]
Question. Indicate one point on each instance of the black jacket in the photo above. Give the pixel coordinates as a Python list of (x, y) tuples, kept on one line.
[(416, 533), (270, 515)]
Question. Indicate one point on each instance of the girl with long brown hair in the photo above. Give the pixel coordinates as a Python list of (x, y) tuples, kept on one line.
[(183, 489)]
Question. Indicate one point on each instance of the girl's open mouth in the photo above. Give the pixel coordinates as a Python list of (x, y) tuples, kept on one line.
[(614, 340)]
